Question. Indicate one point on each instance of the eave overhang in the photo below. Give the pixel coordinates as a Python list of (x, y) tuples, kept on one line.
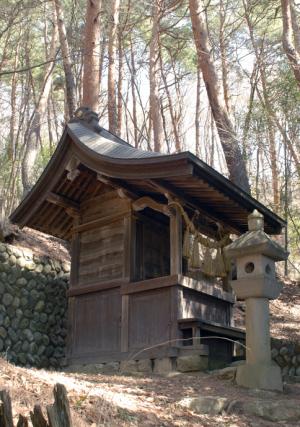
[(182, 174)]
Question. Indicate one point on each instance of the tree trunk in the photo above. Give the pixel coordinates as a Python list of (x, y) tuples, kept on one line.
[(224, 57), (91, 53), (287, 39), (67, 63), (155, 116), (112, 41), (197, 112), (170, 105), (120, 84), (133, 95), (230, 144), (33, 133)]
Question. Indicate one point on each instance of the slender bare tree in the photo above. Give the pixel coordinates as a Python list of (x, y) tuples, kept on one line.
[(230, 144), (91, 53), (67, 63), (291, 37), (155, 109), (112, 47)]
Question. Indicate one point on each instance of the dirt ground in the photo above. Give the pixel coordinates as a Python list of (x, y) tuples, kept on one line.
[(118, 400)]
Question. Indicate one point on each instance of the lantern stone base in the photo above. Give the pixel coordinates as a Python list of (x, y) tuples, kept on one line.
[(261, 376)]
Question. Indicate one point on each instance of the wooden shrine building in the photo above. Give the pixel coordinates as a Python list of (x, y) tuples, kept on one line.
[(130, 216)]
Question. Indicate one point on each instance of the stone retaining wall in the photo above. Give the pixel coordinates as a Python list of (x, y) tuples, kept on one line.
[(287, 356), (33, 307)]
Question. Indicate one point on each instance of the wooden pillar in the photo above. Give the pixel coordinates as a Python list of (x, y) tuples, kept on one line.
[(129, 247), (128, 274), (175, 268), (75, 253), (175, 242)]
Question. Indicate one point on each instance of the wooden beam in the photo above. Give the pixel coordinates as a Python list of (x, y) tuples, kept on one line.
[(63, 202), (95, 287), (123, 189), (125, 323), (175, 242), (97, 223), (148, 202), (167, 188)]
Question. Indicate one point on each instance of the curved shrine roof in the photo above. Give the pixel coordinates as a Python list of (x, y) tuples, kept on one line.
[(98, 156)]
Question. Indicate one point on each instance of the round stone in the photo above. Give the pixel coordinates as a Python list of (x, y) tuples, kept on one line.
[(21, 282), (3, 276), (12, 260), (16, 302), (1, 319), (24, 323), (33, 348), (4, 256), (22, 358), (12, 335), (39, 306), (47, 269), (285, 370), (292, 371), (66, 267), (283, 351), (8, 342), (41, 350), (274, 353), (15, 323), (2, 248), (21, 262), (25, 346), (28, 334), (1, 345), (37, 337), (43, 317), (6, 322), (2, 288), (3, 332), (45, 340), (17, 346), (24, 301), (7, 299), (19, 313), (39, 268), (34, 294)]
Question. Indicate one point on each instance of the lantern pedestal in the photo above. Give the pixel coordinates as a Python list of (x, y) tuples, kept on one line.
[(255, 255), (267, 377)]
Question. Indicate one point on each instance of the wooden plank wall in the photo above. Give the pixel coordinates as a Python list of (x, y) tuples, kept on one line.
[(206, 307), (149, 318), (152, 249), (96, 324), (102, 248)]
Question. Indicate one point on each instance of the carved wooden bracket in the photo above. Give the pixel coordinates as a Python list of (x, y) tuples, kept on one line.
[(148, 202), (71, 167)]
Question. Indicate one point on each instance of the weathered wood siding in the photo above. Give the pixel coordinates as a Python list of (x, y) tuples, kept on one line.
[(153, 249), (149, 318), (96, 323), (101, 252), (205, 307)]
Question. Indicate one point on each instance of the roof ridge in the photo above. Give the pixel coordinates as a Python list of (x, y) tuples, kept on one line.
[(90, 119)]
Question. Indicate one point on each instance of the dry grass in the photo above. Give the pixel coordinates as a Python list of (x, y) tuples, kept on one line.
[(118, 400)]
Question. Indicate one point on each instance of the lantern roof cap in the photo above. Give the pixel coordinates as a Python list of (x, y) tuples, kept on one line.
[(256, 242)]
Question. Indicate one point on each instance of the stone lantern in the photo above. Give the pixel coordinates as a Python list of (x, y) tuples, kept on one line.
[(255, 255)]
